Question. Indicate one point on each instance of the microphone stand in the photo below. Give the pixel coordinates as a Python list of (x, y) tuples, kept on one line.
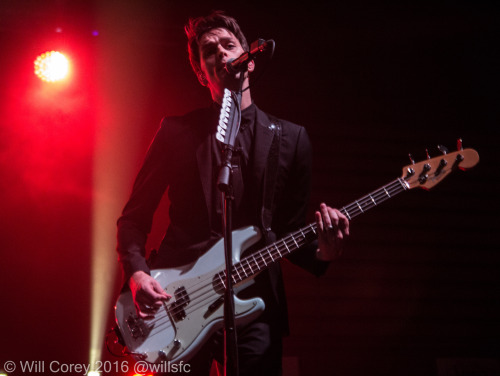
[(226, 187)]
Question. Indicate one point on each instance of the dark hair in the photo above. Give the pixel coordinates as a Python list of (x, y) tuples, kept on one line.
[(196, 27)]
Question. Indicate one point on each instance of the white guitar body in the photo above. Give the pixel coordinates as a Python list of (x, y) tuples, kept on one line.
[(195, 311)]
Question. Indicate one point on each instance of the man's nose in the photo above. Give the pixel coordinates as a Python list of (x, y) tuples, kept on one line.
[(221, 52)]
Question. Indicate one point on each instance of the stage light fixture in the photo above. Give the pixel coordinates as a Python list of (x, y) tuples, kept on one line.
[(52, 66)]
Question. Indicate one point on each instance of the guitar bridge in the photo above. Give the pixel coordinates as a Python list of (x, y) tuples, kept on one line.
[(136, 327)]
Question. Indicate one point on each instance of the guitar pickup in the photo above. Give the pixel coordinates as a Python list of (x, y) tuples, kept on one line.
[(182, 299)]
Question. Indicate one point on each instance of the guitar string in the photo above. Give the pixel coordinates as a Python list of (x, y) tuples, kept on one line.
[(278, 249), (367, 202), (266, 254), (375, 198), (266, 258), (261, 259), (200, 303)]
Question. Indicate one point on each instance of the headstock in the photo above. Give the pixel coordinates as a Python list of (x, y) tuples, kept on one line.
[(426, 174)]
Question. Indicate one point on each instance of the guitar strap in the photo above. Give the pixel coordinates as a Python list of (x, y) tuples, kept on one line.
[(270, 177)]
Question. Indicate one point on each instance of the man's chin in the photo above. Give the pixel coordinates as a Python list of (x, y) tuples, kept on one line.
[(232, 82)]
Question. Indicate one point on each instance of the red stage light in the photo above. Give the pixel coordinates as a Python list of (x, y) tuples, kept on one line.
[(51, 66)]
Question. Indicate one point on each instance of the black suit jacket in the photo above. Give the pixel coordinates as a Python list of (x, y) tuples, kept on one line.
[(178, 161)]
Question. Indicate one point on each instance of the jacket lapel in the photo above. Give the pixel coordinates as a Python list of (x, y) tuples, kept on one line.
[(204, 160)]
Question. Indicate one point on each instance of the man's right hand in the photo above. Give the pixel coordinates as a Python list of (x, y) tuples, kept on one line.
[(147, 293)]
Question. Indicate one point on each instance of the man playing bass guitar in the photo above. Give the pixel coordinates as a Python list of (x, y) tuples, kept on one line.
[(271, 178)]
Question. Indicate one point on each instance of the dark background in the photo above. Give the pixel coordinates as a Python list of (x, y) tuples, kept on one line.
[(417, 290)]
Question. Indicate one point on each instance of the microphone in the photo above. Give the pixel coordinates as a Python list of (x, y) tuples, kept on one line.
[(240, 64)]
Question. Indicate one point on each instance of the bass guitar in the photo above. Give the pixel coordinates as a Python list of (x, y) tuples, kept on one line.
[(195, 310)]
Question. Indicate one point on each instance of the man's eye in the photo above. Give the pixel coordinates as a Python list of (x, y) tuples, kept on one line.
[(208, 51)]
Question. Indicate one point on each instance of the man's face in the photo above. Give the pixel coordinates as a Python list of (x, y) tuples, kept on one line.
[(216, 47)]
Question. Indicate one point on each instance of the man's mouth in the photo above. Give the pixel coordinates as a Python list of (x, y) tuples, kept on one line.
[(222, 68)]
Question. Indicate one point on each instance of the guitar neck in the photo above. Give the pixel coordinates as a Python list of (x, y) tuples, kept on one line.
[(375, 198), (252, 264)]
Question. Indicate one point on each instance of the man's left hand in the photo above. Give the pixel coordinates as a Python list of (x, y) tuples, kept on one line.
[(333, 228)]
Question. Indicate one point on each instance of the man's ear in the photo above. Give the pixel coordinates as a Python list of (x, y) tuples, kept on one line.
[(251, 66), (201, 77)]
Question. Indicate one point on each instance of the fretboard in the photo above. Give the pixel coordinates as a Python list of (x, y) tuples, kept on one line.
[(252, 264)]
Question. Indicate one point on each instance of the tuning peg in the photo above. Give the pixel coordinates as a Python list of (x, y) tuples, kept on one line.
[(427, 153), (411, 158), (443, 149), (459, 144)]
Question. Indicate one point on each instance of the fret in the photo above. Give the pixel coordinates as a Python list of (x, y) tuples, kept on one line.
[(298, 241), (295, 241), (279, 253), (249, 265), (263, 259), (347, 213), (387, 193), (374, 203), (239, 276), (243, 269), (270, 254), (286, 246), (359, 206), (256, 263)]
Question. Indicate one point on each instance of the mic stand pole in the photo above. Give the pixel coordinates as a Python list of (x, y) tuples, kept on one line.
[(225, 185), (230, 339)]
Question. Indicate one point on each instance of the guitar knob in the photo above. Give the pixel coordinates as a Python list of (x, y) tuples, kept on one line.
[(458, 159), (443, 149), (422, 178), (442, 164), (409, 172)]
